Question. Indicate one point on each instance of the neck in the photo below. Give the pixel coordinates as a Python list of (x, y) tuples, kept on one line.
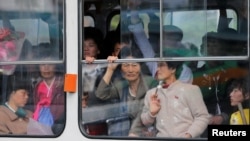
[(170, 80), (11, 106), (49, 81), (133, 85)]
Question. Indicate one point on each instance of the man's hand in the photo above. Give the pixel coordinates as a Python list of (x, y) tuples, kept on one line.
[(154, 105)]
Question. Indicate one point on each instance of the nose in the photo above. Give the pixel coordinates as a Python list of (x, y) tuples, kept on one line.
[(130, 68), (231, 94), (26, 96)]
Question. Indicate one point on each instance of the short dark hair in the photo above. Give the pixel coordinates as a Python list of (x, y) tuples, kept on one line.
[(95, 34), (174, 64), (173, 31), (16, 84), (240, 83)]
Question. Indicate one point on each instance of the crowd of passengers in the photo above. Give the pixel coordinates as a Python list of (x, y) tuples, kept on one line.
[(35, 100), (165, 98), (160, 99)]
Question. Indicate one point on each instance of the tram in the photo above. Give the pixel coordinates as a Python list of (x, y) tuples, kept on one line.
[(209, 37)]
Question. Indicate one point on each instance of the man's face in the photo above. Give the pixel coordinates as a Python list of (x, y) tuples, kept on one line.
[(20, 97), (163, 71), (170, 40)]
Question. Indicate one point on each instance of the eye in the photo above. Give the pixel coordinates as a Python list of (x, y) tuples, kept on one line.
[(125, 64), (134, 64)]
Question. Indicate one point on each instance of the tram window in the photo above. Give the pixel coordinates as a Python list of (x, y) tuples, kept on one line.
[(199, 34), (31, 49), (208, 21)]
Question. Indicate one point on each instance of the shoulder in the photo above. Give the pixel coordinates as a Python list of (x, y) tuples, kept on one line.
[(187, 86), (150, 91), (3, 108), (4, 111)]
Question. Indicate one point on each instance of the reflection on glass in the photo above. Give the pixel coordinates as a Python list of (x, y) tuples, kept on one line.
[(114, 111), (25, 31), (23, 28), (122, 87), (18, 92)]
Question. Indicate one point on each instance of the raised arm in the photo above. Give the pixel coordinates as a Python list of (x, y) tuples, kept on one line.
[(105, 89), (142, 41)]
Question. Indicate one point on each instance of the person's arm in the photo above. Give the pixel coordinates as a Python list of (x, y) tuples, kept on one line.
[(142, 41), (105, 89), (198, 110)]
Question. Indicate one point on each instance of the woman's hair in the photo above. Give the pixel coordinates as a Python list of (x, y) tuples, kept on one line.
[(243, 85), (46, 50), (96, 35)]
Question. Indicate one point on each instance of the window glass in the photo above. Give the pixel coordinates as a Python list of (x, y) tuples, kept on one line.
[(163, 49), (31, 90)]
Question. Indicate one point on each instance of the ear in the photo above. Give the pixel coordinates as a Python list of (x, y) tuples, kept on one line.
[(173, 71), (247, 96)]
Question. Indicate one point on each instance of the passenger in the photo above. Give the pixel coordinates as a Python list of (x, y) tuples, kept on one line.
[(85, 101), (186, 115), (49, 98), (29, 71), (239, 99), (111, 45), (233, 43), (213, 78), (14, 118), (130, 91), (172, 37), (93, 40)]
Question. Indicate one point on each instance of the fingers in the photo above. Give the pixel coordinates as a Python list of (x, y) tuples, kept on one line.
[(154, 98), (89, 60), (112, 59)]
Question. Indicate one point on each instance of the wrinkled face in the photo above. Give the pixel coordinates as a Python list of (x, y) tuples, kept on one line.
[(47, 70), (163, 71), (131, 71), (90, 48), (20, 97), (236, 97)]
